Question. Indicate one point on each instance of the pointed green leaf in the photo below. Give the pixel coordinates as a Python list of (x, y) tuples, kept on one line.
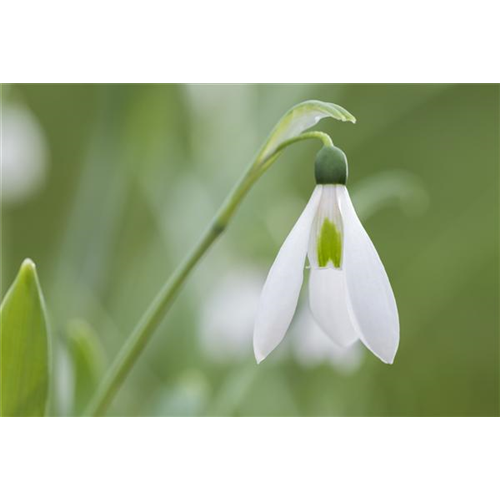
[(88, 362), (298, 119), (24, 352)]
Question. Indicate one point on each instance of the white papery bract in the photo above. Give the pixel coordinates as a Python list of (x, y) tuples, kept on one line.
[(349, 292)]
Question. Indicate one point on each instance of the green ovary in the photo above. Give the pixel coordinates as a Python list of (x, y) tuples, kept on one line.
[(329, 245)]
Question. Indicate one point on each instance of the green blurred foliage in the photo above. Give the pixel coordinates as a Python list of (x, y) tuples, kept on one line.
[(134, 173)]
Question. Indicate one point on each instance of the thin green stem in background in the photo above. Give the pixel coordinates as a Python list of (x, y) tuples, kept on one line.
[(140, 336)]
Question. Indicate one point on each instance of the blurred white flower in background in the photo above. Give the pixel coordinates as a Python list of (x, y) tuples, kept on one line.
[(312, 347), (24, 154), (228, 315), (63, 381), (216, 113)]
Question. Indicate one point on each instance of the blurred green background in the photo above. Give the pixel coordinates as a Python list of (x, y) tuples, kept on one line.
[(107, 187)]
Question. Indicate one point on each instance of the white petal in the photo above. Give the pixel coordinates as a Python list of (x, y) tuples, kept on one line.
[(328, 208), (373, 307), (281, 290), (329, 305)]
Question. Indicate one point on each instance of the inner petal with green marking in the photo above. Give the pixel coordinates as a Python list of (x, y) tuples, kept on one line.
[(329, 244), (326, 239)]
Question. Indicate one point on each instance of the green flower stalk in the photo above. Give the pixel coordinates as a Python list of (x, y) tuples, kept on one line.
[(289, 130)]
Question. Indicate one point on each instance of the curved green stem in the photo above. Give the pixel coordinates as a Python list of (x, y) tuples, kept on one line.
[(140, 336)]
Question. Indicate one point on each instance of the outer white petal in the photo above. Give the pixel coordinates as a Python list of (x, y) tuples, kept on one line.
[(329, 305), (373, 307), (284, 281)]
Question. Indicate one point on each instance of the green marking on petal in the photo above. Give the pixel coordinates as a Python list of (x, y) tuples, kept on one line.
[(329, 245)]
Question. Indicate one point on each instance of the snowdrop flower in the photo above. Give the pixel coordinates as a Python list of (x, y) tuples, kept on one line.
[(349, 292)]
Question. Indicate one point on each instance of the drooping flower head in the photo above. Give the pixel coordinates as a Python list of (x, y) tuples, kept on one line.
[(349, 292)]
